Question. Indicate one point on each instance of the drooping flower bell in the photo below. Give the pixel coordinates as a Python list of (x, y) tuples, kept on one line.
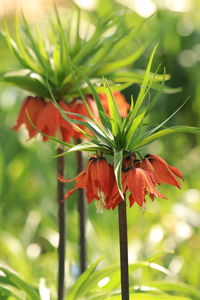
[(48, 119), (33, 105), (51, 122), (140, 177), (98, 180), (164, 173), (138, 183)]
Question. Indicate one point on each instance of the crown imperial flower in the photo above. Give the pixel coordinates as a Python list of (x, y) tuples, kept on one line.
[(33, 105), (139, 183), (139, 179), (45, 117), (48, 119), (164, 173), (97, 180)]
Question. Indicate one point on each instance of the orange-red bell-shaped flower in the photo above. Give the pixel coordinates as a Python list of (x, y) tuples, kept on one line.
[(97, 180)]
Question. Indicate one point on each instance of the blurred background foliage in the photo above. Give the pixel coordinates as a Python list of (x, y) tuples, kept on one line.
[(28, 212)]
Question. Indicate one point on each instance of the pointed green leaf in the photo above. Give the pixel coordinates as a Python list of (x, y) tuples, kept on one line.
[(139, 75), (102, 114), (175, 129), (45, 64), (159, 254), (132, 128), (27, 83), (15, 280), (113, 109), (88, 123), (110, 67), (6, 294), (78, 288), (99, 275), (118, 156), (114, 88), (177, 287), (23, 50), (125, 38), (166, 120), (144, 85), (89, 147), (81, 94)]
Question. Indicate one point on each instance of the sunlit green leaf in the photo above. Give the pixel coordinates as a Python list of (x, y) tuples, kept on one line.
[(175, 129), (132, 128), (103, 119), (113, 109), (78, 288), (143, 296), (15, 280), (177, 287), (27, 83), (165, 121), (118, 156), (108, 68), (144, 85)]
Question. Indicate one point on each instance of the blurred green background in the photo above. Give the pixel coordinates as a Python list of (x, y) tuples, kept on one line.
[(28, 210)]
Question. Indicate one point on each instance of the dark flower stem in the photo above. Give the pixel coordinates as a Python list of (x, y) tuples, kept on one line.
[(82, 217), (123, 240), (61, 225)]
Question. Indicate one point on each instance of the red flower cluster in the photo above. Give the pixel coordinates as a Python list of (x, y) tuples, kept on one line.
[(97, 180), (47, 118), (139, 179), (120, 100)]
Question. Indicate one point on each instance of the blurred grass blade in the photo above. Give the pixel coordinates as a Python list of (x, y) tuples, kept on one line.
[(159, 254), (177, 287), (6, 294), (151, 265), (144, 296), (13, 279), (97, 276), (78, 288)]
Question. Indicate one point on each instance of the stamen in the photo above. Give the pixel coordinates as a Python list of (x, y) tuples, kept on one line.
[(100, 203), (144, 207)]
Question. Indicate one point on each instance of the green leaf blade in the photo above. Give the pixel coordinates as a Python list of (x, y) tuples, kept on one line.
[(118, 156)]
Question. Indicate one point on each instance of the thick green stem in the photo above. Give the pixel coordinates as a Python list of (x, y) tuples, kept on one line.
[(82, 218), (62, 227), (123, 240)]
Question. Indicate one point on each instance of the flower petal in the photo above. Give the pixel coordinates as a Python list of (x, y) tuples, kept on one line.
[(33, 106)]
